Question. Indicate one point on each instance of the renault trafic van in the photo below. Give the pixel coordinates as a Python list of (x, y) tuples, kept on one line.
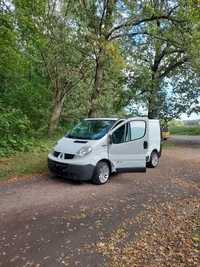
[(97, 147)]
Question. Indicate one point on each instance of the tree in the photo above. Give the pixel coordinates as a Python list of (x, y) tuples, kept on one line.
[(22, 85), (193, 43), (156, 58), (104, 23), (69, 59), (49, 27)]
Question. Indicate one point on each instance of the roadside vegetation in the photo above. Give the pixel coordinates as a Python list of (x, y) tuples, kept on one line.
[(64, 60), (33, 161)]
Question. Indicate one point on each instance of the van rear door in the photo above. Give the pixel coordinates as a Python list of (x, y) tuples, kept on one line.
[(129, 143)]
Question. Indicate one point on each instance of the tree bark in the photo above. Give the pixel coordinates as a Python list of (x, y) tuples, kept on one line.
[(97, 85), (106, 21), (153, 108), (58, 102)]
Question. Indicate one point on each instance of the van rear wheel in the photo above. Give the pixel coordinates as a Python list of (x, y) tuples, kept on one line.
[(154, 160), (102, 173)]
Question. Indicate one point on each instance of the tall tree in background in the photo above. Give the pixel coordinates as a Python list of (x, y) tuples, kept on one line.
[(96, 19), (62, 58), (54, 34), (105, 24), (159, 57), (23, 85)]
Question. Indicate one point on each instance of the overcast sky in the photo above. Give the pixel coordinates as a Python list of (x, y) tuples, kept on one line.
[(193, 116)]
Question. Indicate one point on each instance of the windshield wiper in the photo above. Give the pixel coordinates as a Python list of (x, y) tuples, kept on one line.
[(70, 136)]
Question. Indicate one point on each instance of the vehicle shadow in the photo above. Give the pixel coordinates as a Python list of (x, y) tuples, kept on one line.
[(65, 180), (60, 179)]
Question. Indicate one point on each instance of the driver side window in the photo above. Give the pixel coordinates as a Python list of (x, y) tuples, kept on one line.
[(119, 136)]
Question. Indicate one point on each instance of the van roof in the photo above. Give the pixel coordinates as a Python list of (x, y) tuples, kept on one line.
[(116, 119), (105, 119)]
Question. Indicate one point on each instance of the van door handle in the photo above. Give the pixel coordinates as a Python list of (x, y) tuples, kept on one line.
[(145, 144)]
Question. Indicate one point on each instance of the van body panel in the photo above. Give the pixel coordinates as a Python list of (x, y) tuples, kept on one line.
[(154, 142), (67, 145), (71, 145), (129, 155)]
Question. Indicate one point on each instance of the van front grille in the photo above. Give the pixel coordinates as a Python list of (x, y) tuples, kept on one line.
[(65, 155), (68, 156)]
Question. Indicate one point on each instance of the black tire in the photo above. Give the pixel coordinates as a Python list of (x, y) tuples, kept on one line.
[(98, 177), (154, 160)]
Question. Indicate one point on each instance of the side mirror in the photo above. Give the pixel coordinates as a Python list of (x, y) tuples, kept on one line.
[(110, 139)]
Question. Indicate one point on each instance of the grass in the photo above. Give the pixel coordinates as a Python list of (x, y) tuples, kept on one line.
[(27, 163), (184, 130)]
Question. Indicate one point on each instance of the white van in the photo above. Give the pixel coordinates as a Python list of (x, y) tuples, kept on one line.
[(97, 147)]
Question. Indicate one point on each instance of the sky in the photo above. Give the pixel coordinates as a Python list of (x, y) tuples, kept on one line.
[(183, 116), (193, 116)]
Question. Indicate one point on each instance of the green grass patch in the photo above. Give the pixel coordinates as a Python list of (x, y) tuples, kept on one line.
[(183, 130), (27, 163)]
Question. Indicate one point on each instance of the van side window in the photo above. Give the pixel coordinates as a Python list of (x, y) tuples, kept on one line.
[(118, 136), (138, 129)]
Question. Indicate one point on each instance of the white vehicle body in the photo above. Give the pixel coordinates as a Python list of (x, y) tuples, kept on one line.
[(127, 146), (154, 139)]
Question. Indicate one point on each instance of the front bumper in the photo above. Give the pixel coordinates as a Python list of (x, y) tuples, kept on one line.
[(71, 171)]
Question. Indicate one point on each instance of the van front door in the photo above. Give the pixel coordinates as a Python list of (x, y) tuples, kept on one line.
[(128, 147)]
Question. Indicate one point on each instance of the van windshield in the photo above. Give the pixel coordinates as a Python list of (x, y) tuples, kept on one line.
[(91, 129)]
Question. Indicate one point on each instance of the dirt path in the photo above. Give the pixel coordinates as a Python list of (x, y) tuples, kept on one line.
[(186, 140), (47, 222)]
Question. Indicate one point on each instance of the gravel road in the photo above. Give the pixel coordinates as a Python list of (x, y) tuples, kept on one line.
[(54, 222), (185, 140)]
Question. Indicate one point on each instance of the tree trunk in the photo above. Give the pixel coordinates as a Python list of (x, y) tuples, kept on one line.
[(58, 102), (105, 26), (152, 111), (153, 103), (97, 85)]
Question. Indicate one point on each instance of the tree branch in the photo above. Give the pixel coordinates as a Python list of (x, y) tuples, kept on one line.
[(165, 52), (102, 16), (173, 66), (137, 21)]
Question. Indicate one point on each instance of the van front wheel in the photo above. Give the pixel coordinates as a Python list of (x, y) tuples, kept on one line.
[(102, 173), (154, 160)]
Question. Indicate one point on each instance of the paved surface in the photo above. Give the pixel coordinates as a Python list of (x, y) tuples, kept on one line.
[(53, 222), (186, 140)]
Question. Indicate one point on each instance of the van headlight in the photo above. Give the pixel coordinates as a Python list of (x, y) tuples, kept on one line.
[(84, 151)]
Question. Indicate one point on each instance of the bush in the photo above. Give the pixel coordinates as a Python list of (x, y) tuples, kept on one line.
[(15, 130)]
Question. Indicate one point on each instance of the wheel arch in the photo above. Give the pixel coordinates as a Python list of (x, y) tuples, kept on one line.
[(108, 162), (155, 150)]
